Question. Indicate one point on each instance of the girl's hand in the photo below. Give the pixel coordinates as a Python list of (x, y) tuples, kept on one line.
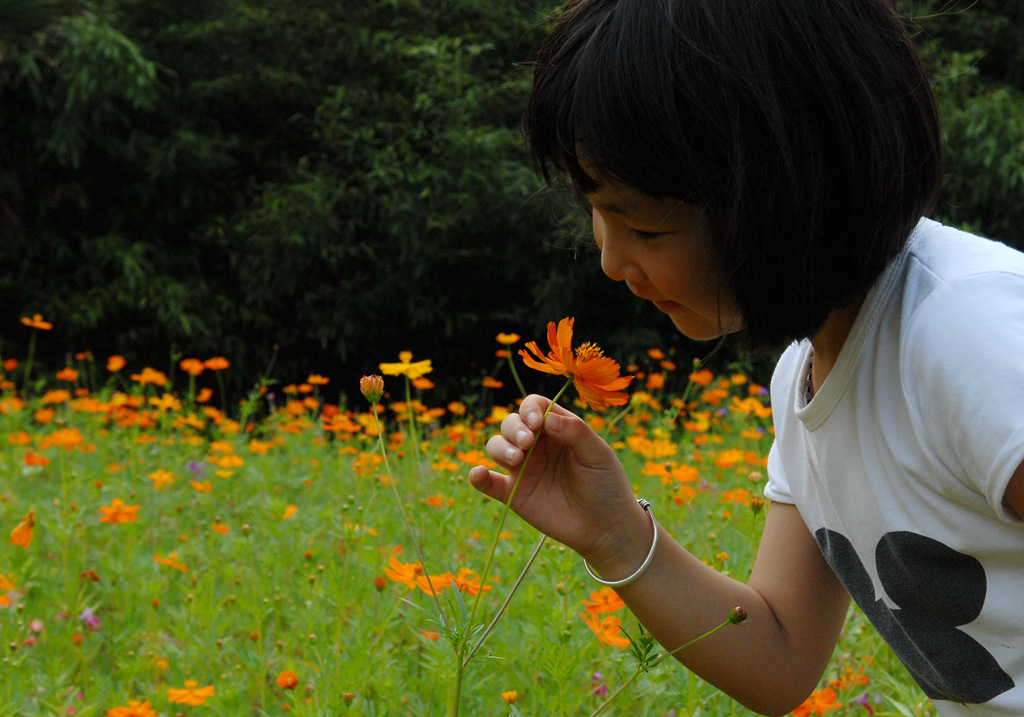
[(573, 489)]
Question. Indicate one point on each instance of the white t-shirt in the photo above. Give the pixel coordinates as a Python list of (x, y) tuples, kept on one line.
[(899, 463)]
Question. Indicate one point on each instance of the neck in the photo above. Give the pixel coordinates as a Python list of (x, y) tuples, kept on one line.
[(829, 341)]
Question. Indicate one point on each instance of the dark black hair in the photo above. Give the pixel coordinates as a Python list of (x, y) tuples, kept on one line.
[(806, 129)]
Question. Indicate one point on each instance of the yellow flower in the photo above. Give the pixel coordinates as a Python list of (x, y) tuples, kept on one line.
[(509, 696), (190, 695), (406, 367), (161, 478)]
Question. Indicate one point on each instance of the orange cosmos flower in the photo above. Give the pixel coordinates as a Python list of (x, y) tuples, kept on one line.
[(118, 512), (405, 573), (607, 629), (595, 376), (67, 374), (406, 367), (191, 694), (469, 582), (217, 363), (703, 377), (820, 702), (603, 600), (134, 709), (115, 363), (150, 375), (22, 533), (171, 561), (192, 366), (36, 322), (288, 680), (507, 339)]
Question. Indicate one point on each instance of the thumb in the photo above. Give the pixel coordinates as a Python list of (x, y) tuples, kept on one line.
[(574, 433)]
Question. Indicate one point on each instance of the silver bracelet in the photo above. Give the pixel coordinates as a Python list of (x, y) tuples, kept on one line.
[(647, 561)]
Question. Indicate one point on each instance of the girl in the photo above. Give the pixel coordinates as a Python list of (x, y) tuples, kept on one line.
[(764, 166)]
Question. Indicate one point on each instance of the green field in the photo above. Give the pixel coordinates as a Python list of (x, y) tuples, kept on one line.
[(184, 552)]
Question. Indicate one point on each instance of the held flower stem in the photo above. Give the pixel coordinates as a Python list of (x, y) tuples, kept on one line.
[(508, 507)]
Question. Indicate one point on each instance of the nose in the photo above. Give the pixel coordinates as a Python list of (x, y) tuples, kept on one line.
[(615, 259)]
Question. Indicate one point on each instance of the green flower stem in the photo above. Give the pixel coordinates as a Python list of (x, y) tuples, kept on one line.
[(28, 362), (413, 433), (515, 374), (641, 667), (508, 507), (497, 615), (405, 517)]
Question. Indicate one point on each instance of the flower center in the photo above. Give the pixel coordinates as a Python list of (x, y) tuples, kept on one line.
[(588, 351)]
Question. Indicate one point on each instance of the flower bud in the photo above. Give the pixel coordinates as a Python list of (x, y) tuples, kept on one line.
[(737, 615), (372, 388)]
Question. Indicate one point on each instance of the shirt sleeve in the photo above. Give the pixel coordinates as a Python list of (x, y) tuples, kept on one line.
[(963, 367), (777, 489)]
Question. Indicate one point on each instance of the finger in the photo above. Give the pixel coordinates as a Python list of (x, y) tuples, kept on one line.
[(532, 410), (490, 483), (504, 452), (515, 431)]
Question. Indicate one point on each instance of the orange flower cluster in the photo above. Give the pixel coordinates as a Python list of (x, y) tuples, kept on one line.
[(411, 575), (608, 628)]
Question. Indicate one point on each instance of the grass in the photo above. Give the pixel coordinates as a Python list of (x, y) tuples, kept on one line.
[(262, 540)]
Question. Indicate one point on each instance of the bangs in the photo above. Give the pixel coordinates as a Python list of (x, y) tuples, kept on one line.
[(600, 94)]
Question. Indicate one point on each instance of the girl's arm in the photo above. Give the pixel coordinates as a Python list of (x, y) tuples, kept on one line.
[(1014, 496), (575, 490)]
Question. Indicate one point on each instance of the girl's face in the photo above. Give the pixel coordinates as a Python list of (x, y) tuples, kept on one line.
[(657, 246)]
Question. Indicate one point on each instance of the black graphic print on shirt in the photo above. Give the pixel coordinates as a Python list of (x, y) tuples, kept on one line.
[(936, 589)]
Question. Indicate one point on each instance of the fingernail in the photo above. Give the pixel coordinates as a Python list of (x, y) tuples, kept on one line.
[(510, 453), (532, 419), (522, 436)]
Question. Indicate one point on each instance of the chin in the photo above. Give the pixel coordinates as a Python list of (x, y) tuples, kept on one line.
[(701, 330)]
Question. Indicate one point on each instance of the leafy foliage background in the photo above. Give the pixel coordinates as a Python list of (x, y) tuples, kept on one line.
[(332, 182)]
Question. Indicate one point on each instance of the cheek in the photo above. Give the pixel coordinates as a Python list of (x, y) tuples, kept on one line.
[(598, 227)]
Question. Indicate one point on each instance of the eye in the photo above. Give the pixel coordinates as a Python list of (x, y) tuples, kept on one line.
[(646, 236)]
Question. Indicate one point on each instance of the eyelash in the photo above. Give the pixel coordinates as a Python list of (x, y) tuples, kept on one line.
[(646, 236)]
